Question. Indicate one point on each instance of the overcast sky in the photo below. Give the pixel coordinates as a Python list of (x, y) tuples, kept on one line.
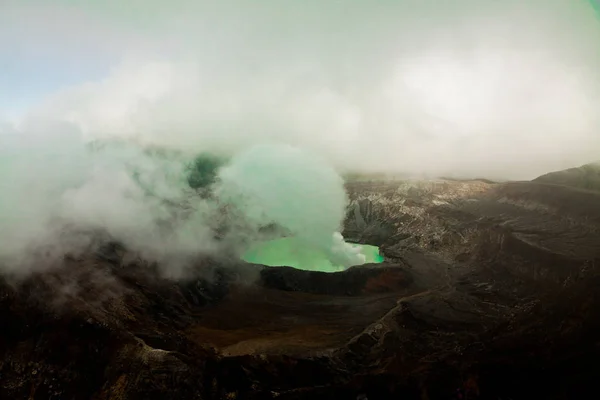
[(505, 89)]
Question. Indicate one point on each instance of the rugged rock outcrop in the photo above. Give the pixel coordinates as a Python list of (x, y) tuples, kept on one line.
[(488, 291)]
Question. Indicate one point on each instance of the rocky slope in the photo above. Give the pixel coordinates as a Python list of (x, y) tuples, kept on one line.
[(488, 291), (585, 177)]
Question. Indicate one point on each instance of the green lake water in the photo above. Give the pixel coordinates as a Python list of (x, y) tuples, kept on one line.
[(289, 252)]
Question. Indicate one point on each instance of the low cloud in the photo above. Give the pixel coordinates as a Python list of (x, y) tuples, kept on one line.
[(504, 90)]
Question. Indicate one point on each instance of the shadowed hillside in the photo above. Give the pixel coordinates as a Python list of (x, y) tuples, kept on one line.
[(585, 177), (487, 290)]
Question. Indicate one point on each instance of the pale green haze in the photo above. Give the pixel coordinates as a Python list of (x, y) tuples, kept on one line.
[(282, 186), (187, 128)]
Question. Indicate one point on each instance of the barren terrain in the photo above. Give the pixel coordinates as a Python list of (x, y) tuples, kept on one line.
[(488, 291)]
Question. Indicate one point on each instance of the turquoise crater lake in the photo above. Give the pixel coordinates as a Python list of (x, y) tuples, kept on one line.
[(290, 252)]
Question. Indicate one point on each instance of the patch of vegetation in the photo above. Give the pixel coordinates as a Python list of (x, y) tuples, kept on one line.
[(203, 170)]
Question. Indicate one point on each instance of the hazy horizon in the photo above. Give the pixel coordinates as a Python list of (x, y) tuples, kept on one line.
[(502, 90), (108, 104)]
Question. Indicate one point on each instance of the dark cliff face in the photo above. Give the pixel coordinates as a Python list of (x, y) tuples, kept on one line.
[(488, 291)]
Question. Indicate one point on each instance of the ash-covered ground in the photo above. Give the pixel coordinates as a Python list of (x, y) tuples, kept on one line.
[(488, 291)]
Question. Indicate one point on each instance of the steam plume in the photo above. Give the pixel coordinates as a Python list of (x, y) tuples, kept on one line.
[(472, 88)]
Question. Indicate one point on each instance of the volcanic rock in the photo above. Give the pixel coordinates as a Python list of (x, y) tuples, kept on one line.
[(488, 291)]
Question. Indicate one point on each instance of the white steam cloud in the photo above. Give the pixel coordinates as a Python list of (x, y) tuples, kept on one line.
[(282, 185), (471, 88)]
